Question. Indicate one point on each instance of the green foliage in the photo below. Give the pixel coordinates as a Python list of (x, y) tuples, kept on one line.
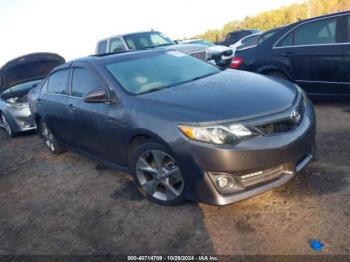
[(275, 18)]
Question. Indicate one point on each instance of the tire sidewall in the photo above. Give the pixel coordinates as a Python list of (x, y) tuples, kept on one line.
[(132, 170), (8, 123), (58, 149)]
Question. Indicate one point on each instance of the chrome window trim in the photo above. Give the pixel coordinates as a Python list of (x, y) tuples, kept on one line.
[(328, 82), (308, 22), (64, 95)]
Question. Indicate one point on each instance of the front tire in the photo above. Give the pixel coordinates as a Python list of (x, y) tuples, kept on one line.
[(49, 139), (157, 174), (6, 125)]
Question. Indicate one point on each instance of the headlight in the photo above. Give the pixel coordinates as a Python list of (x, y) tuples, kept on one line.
[(225, 134), (17, 102)]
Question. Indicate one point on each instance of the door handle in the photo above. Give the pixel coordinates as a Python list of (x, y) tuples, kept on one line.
[(71, 107)]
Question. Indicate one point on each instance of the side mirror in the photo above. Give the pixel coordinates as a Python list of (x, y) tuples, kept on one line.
[(98, 96)]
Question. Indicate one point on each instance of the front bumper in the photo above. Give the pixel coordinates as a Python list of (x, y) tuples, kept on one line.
[(20, 119), (292, 151)]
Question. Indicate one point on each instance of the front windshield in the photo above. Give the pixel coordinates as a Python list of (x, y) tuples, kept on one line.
[(23, 87), (203, 42), (147, 40), (154, 71)]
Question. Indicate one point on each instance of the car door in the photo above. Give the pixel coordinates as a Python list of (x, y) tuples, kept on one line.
[(313, 53), (346, 45), (93, 118), (52, 105)]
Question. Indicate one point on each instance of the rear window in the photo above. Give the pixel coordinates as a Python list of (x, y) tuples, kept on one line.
[(154, 71), (266, 36), (101, 49)]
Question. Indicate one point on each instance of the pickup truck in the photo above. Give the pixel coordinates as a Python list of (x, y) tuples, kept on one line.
[(147, 40)]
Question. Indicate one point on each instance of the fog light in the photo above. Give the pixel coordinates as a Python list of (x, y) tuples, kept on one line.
[(224, 182)]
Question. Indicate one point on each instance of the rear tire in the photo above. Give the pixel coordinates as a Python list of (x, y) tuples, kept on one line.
[(6, 125), (157, 175), (49, 139)]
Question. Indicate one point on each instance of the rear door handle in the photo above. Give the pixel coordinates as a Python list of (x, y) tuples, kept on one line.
[(71, 107)]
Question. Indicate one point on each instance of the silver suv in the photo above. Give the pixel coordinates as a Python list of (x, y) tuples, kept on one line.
[(147, 40)]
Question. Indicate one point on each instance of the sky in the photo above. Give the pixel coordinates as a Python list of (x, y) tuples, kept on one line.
[(72, 28)]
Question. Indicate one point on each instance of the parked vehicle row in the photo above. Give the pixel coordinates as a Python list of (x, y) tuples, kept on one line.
[(184, 128), (203, 50)]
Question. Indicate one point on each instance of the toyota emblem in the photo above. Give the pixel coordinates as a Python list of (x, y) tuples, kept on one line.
[(295, 116)]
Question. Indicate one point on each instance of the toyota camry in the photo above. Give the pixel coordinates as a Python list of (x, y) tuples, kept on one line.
[(183, 129)]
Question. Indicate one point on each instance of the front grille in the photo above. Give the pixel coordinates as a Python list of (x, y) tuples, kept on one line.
[(285, 126), (202, 55)]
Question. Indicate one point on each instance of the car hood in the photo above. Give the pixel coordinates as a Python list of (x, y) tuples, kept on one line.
[(27, 68), (187, 48), (230, 95)]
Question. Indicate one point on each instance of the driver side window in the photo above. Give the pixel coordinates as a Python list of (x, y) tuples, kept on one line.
[(84, 81)]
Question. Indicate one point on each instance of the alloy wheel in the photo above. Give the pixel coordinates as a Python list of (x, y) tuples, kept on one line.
[(48, 137), (6, 125), (159, 175)]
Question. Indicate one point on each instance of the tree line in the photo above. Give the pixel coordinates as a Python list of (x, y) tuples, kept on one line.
[(275, 18)]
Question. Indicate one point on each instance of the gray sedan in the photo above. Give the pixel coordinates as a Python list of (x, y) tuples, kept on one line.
[(183, 129)]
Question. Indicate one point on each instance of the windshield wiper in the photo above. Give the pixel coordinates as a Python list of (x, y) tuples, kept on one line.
[(199, 77), (163, 45), (153, 90)]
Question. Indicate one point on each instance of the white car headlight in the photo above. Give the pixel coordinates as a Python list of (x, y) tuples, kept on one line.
[(224, 134), (17, 102)]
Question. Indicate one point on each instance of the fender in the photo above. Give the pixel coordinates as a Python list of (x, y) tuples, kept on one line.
[(274, 68)]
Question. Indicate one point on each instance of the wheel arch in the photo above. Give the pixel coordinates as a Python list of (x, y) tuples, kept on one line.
[(268, 70), (140, 137), (37, 119)]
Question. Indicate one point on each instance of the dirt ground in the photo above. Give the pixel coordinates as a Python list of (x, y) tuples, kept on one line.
[(69, 204)]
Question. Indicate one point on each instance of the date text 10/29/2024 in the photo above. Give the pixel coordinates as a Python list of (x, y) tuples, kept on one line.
[(173, 258)]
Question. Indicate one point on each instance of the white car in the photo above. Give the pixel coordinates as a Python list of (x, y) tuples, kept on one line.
[(221, 55), (246, 42)]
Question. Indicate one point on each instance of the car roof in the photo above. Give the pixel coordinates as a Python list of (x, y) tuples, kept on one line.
[(122, 35), (324, 16), (102, 58)]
